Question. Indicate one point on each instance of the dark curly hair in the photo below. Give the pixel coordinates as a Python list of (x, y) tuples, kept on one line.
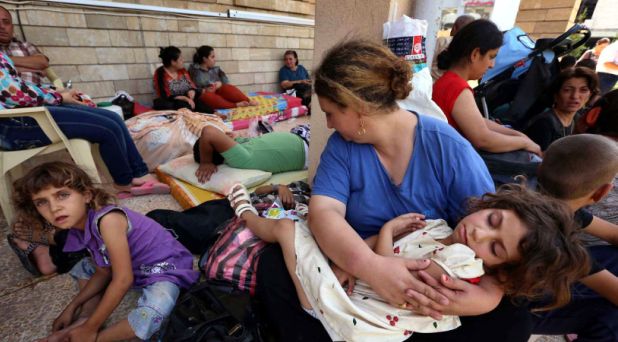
[(552, 255), (363, 74), (57, 174)]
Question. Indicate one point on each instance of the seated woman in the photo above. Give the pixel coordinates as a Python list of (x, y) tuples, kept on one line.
[(363, 181), (469, 55), (76, 121), (503, 236), (217, 92), (571, 91), (294, 76), (273, 152), (173, 85)]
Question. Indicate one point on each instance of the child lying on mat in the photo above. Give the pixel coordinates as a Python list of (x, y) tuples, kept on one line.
[(272, 152), (505, 235)]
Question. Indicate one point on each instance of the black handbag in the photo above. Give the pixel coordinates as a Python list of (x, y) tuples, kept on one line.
[(204, 313), (196, 228)]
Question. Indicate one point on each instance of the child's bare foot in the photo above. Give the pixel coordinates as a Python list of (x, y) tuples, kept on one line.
[(242, 104), (253, 103)]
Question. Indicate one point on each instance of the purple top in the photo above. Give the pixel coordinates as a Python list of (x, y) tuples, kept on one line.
[(155, 254)]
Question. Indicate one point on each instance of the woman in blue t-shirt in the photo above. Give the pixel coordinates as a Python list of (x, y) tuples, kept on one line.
[(382, 162), (294, 76)]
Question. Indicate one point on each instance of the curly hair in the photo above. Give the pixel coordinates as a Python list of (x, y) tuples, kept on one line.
[(552, 255), (56, 174), (363, 74)]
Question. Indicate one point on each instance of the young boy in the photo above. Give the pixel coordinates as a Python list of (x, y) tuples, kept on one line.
[(580, 170), (273, 152)]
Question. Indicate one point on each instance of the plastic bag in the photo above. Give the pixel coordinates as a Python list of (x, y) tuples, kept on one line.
[(406, 38)]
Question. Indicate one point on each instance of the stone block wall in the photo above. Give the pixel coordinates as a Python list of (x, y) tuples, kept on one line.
[(546, 18), (105, 50)]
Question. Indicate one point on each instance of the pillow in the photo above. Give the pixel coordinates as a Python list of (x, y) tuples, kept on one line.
[(184, 168)]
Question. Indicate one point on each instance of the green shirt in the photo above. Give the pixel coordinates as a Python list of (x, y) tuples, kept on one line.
[(273, 152)]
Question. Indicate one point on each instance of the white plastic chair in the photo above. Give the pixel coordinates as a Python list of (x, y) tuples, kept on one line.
[(83, 153)]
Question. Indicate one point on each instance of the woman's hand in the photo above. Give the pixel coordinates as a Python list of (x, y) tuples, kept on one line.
[(393, 279), (346, 279), (218, 85), (465, 299), (286, 196), (405, 223), (71, 96), (65, 319), (187, 100), (534, 148), (205, 171)]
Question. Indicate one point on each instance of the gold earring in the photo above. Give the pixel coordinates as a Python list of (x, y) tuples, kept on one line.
[(362, 129)]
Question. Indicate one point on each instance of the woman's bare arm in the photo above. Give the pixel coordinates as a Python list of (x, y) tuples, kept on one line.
[(389, 277), (475, 128)]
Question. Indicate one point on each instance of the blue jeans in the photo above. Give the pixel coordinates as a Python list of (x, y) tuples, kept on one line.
[(153, 307), (96, 125)]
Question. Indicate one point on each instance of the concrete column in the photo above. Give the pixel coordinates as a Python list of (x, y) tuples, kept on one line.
[(334, 21)]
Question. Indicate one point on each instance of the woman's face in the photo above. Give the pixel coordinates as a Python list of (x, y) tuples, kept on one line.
[(481, 63), (573, 95), (210, 60), (493, 234), (178, 64), (345, 121), (289, 61)]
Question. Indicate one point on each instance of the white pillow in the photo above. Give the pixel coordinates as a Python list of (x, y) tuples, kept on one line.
[(184, 169)]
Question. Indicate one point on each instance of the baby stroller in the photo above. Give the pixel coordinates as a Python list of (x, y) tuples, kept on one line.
[(514, 90)]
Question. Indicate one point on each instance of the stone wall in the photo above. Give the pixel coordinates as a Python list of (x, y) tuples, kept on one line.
[(105, 50), (546, 18)]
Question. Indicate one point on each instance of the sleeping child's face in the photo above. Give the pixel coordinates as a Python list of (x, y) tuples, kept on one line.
[(493, 234), (62, 207)]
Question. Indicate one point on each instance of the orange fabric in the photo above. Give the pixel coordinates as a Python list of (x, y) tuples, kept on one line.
[(224, 98)]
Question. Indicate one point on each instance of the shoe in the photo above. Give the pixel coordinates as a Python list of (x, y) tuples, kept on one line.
[(149, 188), (238, 193), (24, 254)]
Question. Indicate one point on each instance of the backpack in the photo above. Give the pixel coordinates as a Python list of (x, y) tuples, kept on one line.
[(207, 313)]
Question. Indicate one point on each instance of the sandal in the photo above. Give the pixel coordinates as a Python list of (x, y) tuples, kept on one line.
[(238, 193), (149, 188), (24, 255)]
